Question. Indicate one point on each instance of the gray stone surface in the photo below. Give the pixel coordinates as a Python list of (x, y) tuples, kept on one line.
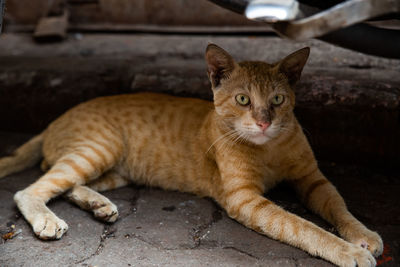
[(163, 228)]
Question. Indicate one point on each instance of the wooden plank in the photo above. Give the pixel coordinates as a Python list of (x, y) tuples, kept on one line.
[(50, 29), (168, 29)]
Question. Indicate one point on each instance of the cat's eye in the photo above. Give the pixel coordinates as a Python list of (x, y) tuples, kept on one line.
[(277, 100), (243, 100)]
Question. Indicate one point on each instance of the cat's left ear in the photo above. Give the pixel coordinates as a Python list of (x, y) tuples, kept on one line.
[(219, 64), (293, 64)]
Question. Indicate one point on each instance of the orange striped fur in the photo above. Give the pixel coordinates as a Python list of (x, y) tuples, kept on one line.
[(232, 150)]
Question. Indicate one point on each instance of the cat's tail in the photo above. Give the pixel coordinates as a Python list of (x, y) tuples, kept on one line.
[(24, 157)]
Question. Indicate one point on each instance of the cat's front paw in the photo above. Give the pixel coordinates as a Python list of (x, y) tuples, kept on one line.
[(353, 255), (369, 240), (48, 227), (361, 236)]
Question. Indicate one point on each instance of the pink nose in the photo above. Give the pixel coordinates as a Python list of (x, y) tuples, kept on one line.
[(262, 125)]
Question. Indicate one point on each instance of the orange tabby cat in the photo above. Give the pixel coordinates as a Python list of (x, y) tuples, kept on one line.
[(232, 150)]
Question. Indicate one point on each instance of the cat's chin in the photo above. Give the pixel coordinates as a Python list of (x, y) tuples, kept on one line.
[(259, 139)]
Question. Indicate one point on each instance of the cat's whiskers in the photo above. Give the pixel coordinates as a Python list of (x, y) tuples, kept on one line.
[(220, 138), (286, 128), (240, 138), (232, 140), (228, 142)]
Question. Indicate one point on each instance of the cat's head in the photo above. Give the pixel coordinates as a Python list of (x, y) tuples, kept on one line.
[(255, 99)]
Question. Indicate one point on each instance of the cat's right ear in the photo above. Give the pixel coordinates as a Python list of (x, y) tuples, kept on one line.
[(293, 64), (219, 64)]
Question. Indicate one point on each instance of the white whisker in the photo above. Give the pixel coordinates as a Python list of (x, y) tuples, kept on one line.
[(220, 138), (227, 144)]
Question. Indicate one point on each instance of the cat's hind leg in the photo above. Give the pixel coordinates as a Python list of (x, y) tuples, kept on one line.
[(75, 168), (88, 199), (108, 181)]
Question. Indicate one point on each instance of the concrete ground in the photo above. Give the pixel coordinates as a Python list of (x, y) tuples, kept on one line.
[(160, 228)]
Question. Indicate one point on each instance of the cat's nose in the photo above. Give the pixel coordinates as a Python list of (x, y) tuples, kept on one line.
[(263, 125)]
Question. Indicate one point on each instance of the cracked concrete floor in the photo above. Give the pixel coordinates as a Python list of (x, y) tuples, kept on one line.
[(161, 228)]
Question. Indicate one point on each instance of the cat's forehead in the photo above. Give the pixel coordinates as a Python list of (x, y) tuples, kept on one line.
[(260, 77), (256, 68)]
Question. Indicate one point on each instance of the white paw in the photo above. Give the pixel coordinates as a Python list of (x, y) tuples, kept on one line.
[(354, 255), (106, 212), (49, 226)]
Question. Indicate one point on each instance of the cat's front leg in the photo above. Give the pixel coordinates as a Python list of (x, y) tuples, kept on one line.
[(322, 197), (244, 202)]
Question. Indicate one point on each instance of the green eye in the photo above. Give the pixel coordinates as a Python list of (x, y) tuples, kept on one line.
[(277, 100), (243, 100)]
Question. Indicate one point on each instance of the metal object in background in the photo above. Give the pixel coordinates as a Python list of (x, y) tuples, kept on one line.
[(272, 10), (2, 9), (338, 22), (340, 16)]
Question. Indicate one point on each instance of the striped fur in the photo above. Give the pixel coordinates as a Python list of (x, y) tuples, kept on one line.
[(210, 149)]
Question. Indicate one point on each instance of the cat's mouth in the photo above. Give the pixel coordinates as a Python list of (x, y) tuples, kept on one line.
[(254, 134), (260, 137)]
